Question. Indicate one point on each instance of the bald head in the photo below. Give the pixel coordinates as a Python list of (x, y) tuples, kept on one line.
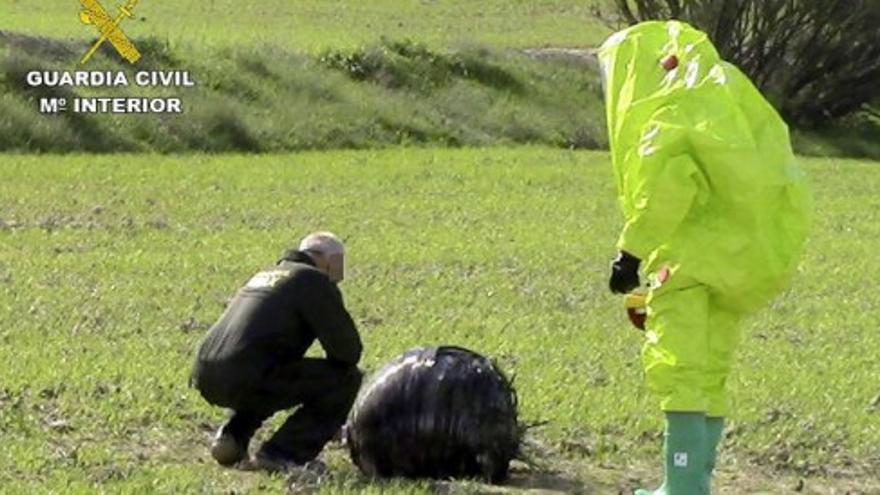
[(328, 251)]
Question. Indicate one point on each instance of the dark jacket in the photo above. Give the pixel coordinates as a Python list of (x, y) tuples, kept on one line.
[(274, 318)]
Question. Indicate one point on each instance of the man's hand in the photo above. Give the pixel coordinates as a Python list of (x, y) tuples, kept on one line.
[(624, 273)]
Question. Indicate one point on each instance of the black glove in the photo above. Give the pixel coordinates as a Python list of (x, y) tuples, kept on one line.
[(624, 273)]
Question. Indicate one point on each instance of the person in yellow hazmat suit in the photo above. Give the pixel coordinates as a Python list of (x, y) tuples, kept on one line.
[(716, 212)]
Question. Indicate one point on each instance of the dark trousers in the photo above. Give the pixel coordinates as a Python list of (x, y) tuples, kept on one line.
[(324, 392)]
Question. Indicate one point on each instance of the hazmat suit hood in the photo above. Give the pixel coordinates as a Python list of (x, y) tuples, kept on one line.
[(706, 178)]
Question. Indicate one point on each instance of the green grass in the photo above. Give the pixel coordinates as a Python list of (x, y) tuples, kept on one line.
[(271, 99), (252, 59), (111, 268), (315, 25), (271, 95)]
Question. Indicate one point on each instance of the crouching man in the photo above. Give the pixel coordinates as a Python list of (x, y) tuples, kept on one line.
[(252, 360)]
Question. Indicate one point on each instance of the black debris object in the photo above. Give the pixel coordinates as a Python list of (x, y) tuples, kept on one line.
[(441, 412)]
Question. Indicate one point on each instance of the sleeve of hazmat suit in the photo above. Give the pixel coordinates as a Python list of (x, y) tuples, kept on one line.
[(659, 196)]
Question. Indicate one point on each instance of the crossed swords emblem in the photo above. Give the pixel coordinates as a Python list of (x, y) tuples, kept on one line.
[(95, 14)]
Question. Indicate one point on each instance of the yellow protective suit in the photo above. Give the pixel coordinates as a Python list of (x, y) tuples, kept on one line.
[(714, 202)]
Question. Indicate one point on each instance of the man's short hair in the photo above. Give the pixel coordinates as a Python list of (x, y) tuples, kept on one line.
[(325, 243)]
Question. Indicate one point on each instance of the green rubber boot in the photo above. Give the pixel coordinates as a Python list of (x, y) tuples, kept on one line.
[(684, 451), (714, 430)]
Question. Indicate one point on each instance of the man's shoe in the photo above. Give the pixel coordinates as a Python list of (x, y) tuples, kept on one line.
[(226, 450)]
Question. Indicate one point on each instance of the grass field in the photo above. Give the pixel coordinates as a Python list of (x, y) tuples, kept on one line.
[(112, 267), (466, 85), (348, 75), (253, 100), (314, 25)]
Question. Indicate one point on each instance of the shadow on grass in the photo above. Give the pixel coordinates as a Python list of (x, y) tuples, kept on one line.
[(856, 136)]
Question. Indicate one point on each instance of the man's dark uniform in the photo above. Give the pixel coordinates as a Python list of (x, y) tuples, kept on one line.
[(251, 360)]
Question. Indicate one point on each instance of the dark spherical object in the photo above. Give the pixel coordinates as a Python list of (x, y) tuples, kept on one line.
[(442, 412)]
